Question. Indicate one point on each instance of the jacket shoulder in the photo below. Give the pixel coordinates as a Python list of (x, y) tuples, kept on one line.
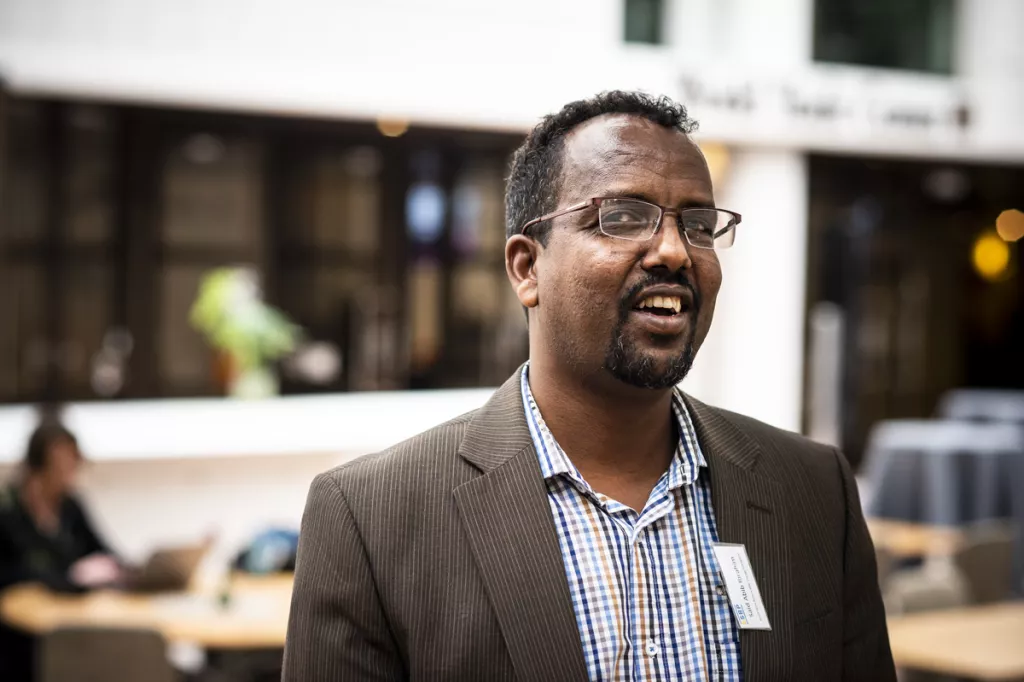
[(784, 448), (766, 432)]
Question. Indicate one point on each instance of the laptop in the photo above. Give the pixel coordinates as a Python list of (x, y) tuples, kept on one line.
[(168, 569)]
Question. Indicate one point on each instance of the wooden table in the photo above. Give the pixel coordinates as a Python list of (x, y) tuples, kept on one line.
[(981, 642), (907, 540), (256, 616)]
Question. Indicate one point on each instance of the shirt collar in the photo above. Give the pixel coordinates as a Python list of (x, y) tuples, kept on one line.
[(683, 470)]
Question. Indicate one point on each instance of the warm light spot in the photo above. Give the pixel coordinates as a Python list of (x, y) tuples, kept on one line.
[(991, 256), (392, 127), (1010, 225), (717, 156)]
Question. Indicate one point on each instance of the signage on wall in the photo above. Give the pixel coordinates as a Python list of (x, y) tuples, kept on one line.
[(849, 105)]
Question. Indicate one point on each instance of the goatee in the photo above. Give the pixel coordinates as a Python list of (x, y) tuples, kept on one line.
[(629, 364), (632, 365)]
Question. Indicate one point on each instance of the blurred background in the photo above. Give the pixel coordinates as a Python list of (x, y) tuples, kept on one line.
[(238, 238)]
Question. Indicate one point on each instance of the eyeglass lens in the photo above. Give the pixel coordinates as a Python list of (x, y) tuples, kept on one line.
[(635, 220)]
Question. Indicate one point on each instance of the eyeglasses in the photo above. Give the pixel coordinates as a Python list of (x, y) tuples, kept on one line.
[(638, 221)]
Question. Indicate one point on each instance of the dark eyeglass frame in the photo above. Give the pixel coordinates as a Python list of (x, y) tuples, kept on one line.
[(662, 212)]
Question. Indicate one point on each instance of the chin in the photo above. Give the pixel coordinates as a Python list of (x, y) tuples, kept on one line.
[(649, 370)]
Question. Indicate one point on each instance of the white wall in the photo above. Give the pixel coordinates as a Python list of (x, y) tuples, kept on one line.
[(449, 61), (990, 56), (752, 360), (348, 424), (504, 64)]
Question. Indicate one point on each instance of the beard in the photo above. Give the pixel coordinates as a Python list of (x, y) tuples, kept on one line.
[(633, 366), (630, 364)]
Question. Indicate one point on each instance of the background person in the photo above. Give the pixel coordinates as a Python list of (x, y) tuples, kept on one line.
[(46, 535)]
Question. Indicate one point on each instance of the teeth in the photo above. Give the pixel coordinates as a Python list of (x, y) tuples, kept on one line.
[(672, 303)]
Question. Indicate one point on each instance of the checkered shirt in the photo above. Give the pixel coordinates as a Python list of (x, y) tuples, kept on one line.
[(649, 599)]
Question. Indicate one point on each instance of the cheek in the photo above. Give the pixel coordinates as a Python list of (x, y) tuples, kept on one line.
[(596, 280), (67, 466), (69, 471), (708, 277), (588, 280)]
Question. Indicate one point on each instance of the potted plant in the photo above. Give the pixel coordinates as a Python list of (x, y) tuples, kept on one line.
[(248, 334)]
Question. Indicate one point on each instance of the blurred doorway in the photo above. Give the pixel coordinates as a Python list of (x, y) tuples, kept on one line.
[(893, 265)]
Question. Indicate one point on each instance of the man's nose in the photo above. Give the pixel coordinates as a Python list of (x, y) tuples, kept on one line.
[(668, 247)]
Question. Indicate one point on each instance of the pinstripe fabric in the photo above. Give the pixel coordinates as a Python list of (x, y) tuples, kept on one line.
[(438, 560), (642, 585)]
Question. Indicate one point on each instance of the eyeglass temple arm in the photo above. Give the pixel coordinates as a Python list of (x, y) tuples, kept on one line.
[(730, 226), (548, 216)]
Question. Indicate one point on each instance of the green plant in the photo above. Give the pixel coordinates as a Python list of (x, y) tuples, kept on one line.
[(230, 313)]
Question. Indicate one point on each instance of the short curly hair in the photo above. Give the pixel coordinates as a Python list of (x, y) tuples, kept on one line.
[(534, 180)]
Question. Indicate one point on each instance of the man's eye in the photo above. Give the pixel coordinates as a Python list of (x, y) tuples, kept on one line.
[(623, 218), (698, 224)]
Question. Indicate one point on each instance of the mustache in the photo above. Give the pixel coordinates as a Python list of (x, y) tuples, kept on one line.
[(651, 279)]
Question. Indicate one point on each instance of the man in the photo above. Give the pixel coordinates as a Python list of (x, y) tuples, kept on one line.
[(585, 523)]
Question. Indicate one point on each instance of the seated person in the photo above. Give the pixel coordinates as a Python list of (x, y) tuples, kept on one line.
[(45, 535)]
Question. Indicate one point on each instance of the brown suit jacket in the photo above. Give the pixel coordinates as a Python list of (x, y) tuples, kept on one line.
[(438, 559)]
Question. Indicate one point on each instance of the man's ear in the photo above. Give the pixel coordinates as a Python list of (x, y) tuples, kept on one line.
[(521, 254)]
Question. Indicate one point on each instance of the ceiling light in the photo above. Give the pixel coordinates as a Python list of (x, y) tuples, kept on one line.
[(1010, 225), (991, 256), (392, 127)]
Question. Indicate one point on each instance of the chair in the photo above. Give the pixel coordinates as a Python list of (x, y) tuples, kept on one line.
[(886, 563), (983, 405), (935, 585), (986, 561), (86, 654)]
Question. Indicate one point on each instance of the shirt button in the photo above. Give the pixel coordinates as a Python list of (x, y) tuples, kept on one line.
[(720, 590), (652, 648)]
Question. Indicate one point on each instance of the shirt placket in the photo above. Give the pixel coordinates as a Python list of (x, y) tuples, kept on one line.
[(645, 628), (647, 641), (632, 624)]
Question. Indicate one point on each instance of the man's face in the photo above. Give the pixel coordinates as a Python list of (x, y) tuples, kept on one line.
[(591, 288)]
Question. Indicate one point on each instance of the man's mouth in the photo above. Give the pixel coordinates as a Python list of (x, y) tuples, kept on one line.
[(662, 306)]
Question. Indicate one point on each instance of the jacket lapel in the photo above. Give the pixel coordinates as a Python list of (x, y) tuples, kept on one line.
[(508, 520), (749, 510)]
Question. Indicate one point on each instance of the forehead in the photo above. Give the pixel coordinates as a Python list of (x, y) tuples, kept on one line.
[(622, 153)]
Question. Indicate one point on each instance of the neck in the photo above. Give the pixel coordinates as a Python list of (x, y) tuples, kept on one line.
[(610, 431)]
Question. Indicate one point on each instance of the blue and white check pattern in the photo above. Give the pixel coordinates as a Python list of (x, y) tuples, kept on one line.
[(645, 587)]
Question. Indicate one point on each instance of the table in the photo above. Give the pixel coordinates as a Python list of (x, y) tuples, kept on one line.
[(908, 540), (994, 405), (255, 618), (981, 642), (947, 473)]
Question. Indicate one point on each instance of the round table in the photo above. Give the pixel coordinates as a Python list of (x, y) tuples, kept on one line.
[(255, 616), (978, 642), (908, 540)]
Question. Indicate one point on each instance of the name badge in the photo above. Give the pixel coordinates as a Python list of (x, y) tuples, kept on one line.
[(741, 586)]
